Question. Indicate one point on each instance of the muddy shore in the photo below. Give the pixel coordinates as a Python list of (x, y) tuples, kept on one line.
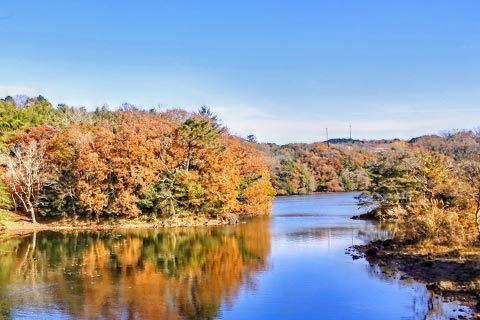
[(452, 274), (25, 226)]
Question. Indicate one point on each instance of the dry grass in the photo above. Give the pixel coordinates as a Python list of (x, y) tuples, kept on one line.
[(437, 226), (8, 217)]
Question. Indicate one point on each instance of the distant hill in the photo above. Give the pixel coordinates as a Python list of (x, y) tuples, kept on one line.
[(343, 141)]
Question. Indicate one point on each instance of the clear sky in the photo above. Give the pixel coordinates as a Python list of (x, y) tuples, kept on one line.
[(283, 70)]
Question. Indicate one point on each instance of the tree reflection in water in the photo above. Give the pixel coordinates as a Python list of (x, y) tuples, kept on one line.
[(168, 274)]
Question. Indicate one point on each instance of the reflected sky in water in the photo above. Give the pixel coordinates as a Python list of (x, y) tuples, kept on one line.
[(311, 277), (289, 266)]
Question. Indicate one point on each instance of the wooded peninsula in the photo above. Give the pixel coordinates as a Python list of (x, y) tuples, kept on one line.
[(126, 164)]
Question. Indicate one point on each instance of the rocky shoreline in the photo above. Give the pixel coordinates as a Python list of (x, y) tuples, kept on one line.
[(452, 274)]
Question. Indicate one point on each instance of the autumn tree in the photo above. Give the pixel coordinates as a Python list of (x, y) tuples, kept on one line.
[(392, 181), (25, 175), (470, 172), (5, 198), (62, 194), (254, 189)]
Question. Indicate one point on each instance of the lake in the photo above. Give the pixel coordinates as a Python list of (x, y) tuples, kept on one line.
[(291, 265)]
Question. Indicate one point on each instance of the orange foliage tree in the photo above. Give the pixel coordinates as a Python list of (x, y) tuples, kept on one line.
[(131, 162)]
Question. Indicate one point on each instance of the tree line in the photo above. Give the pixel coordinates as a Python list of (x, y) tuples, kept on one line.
[(302, 168), (126, 163)]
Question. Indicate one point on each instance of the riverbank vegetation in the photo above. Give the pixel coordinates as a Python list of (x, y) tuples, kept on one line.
[(430, 188), (129, 163)]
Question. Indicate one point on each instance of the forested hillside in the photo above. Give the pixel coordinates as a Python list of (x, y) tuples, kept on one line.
[(303, 168), (69, 162)]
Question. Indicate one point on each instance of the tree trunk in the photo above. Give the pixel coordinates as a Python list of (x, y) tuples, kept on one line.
[(34, 241), (172, 206), (477, 214), (32, 213)]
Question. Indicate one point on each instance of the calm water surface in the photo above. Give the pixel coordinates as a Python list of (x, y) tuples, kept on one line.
[(290, 266)]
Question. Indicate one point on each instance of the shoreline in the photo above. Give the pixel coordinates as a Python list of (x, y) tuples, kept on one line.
[(23, 227), (453, 274)]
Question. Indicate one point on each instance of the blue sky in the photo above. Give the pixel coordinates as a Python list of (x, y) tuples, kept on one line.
[(282, 70)]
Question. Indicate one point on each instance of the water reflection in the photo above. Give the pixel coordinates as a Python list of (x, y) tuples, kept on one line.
[(135, 274), (369, 233), (425, 304), (291, 266)]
